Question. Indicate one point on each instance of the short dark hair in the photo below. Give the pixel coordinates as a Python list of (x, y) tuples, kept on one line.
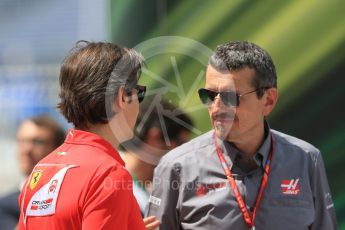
[(90, 78), (236, 55), (45, 121), (174, 119)]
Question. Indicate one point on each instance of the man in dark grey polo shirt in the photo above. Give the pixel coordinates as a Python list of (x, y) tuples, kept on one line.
[(242, 174)]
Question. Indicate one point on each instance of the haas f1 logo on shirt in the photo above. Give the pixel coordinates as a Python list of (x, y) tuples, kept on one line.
[(290, 187)]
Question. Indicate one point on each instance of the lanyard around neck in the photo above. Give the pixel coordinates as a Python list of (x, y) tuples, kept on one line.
[(249, 219)]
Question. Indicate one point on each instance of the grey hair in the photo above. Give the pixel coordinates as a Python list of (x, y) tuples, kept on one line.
[(236, 55), (126, 73)]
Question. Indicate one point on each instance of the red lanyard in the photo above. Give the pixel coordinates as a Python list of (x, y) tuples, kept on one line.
[(250, 221)]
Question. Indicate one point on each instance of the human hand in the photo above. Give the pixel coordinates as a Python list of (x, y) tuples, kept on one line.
[(151, 222)]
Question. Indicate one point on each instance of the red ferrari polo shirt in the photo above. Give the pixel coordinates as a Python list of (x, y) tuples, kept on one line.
[(81, 185)]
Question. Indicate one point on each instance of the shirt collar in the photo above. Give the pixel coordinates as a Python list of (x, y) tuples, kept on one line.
[(265, 148), (81, 137), (231, 151)]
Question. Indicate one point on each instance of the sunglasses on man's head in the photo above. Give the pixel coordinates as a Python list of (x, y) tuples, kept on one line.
[(229, 98), (141, 90)]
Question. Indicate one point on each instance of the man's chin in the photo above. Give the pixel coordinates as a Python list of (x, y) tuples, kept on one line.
[(222, 132)]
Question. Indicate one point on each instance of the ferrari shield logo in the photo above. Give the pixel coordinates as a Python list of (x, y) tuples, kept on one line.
[(35, 178)]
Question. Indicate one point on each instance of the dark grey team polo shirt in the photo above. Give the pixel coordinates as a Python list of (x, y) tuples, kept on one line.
[(190, 189)]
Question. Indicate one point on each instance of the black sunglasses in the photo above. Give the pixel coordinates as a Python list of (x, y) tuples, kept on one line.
[(229, 98), (141, 90)]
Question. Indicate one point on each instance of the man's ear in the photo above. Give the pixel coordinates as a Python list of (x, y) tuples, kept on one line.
[(270, 101), (119, 100)]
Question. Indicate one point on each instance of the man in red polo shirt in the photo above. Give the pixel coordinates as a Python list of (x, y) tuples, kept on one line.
[(83, 183)]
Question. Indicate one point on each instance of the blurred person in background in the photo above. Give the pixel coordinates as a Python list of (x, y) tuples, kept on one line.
[(159, 128), (83, 184), (242, 174), (36, 138)]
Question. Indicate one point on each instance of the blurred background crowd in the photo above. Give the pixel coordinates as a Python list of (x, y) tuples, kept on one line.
[(305, 38)]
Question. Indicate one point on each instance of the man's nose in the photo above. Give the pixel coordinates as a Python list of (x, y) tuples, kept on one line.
[(218, 102), (219, 106)]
